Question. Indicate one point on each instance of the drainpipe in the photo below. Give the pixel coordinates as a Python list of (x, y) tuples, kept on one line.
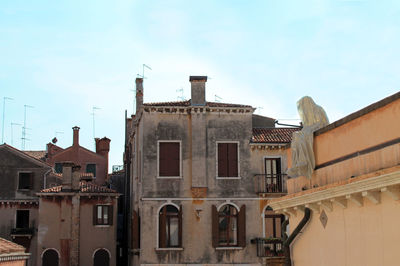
[(289, 240)]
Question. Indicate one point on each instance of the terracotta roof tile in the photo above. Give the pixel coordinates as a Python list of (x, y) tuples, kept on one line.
[(187, 103), (85, 187), (7, 247), (40, 155), (273, 135)]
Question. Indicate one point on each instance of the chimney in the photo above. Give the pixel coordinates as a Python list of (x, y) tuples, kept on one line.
[(76, 177), (76, 136), (198, 84), (67, 176), (139, 94)]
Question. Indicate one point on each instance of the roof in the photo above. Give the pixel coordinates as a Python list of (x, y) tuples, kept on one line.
[(273, 135), (8, 247), (85, 187), (40, 155), (188, 103), (26, 155)]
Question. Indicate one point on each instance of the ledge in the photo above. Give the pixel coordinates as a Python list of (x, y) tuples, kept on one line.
[(169, 249), (228, 248)]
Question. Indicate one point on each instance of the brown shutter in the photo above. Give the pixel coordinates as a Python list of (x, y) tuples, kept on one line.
[(163, 159), (242, 227), (95, 215), (135, 230), (161, 229), (222, 159), (110, 214), (169, 159), (214, 226), (232, 159), (180, 226)]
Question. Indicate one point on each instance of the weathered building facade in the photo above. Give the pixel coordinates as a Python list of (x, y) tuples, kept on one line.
[(348, 211), (77, 222), (201, 173), (21, 176)]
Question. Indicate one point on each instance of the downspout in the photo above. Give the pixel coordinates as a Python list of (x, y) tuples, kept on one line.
[(289, 240)]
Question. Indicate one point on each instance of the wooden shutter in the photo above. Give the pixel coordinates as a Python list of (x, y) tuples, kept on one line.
[(222, 159), (163, 155), (180, 226), (232, 159), (214, 226), (162, 227), (110, 214), (94, 214), (135, 230), (242, 227), (169, 159)]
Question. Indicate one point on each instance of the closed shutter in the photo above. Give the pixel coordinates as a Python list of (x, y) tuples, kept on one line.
[(242, 227), (180, 226), (232, 160), (31, 183), (214, 226), (110, 214), (169, 159), (222, 159), (135, 230), (162, 227), (94, 214)]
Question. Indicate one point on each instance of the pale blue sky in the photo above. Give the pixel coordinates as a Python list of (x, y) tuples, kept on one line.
[(64, 57)]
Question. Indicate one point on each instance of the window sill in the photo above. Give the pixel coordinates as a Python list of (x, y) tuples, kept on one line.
[(169, 177), (169, 249), (228, 177), (228, 248), (102, 225)]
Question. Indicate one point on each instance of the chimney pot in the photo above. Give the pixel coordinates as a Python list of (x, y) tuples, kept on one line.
[(76, 136), (198, 86)]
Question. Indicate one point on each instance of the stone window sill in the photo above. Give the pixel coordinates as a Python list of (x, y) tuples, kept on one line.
[(228, 248), (169, 249)]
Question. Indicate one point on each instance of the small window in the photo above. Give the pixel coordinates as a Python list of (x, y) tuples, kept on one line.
[(102, 215), (25, 180), (91, 168), (228, 160), (58, 168), (273, 175), (169, 159), (170, 227), (22, 219)]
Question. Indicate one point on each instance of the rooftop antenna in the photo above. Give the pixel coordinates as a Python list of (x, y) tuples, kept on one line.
[(145, 66), (180, 97), (217, 98), (4, 114), (94, 108), (259, 109), (58, 132), (12, 125), (24, 128)]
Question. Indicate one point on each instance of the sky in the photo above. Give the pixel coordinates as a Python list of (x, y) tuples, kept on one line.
[(65, 57)]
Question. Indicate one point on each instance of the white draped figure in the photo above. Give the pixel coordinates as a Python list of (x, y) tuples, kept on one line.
[(313, 117)]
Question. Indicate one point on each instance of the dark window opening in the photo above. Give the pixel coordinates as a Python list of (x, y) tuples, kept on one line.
[(227, 226), (170, 226), (25, 181), (169, 159), (101, 258), (273, 175), (58, 168), (91, 168), (22, 219), (228, 160), (102, 215), (50, 258)]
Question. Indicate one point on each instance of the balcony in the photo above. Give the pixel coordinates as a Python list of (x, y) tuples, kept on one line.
[(269, 183), (20, 232), (270, 247)]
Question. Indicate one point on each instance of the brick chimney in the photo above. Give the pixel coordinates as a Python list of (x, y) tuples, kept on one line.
[(198, 84), (75, 141), (139, 94), (67, 176), (103, 147)]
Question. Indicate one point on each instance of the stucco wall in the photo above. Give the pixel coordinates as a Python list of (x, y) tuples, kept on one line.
[(364, 236)]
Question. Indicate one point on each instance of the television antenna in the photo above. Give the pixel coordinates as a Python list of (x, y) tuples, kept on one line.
[(24, 128), (94, 108), (217, 98), (180, 97), (143, 67), (4, 114)]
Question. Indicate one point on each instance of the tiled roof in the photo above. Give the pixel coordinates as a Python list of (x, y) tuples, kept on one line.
[(40, 155), (7, 247), (85, 187), (187, 103), (273, 135)]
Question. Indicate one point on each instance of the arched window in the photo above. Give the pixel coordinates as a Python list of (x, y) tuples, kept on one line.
[(170, 227), (101, 258), (50, 258), (228, 225)]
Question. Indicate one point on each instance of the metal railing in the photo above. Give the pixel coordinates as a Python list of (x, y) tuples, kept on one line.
[(22, 231), (269, 247), (269, 183)]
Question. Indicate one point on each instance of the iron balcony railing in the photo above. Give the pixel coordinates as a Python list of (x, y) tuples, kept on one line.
[(269, 183), (22, 231), (270, 247)]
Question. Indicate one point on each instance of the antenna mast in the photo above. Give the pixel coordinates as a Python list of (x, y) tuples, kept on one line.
[(94, 127), (24, 128)]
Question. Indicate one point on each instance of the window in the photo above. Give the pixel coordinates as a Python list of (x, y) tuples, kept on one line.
[(273, 177), (227, 160), (229, 226), (169, 159), (91, 168), (170, 227), (273, 229), (25, 180), (22, 221), (103, 215), (101, 258), (58, 168)]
